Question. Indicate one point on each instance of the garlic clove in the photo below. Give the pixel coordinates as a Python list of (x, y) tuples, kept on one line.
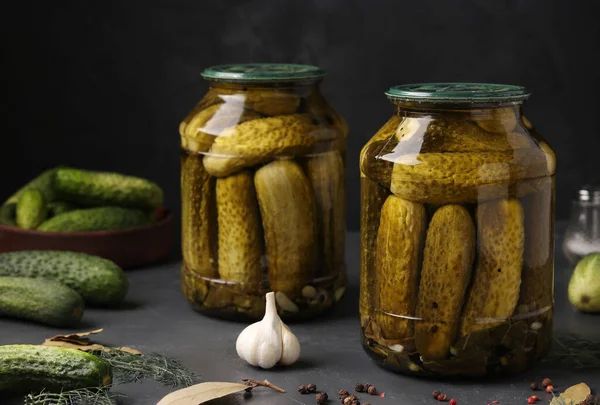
[(269, 341), (291, 346)]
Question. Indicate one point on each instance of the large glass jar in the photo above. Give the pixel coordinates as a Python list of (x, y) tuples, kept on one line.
[(457, 219), (262, 179)]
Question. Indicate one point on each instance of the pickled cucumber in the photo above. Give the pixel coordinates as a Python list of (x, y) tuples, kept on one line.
[(240, 231), (441, 178), (495, 290), (372, 199), (537, 279), (326, 175), (500, 120), (445, 275), (199, 218), (266, 102), (199, 131), (450, 135), (260, 140), (400, 240), (550, 157), (287, 207)]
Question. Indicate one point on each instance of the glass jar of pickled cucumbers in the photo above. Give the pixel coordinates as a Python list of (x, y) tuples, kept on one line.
[(262, 179), (457, 219)]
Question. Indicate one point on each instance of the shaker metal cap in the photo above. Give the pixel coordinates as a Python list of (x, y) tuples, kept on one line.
[(458, 93), (589, 193), (263, 72)]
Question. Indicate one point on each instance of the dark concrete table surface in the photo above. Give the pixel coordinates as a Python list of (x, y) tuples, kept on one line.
[(158, 319)]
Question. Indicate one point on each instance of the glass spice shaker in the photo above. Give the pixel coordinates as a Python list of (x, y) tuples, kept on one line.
[(583, 232)]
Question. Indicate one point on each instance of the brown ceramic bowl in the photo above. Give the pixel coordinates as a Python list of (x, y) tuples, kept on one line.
[(132, 247)]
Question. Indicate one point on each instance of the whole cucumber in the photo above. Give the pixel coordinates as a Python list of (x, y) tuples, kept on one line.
[(8, 214), (43, 183), (60, 207), (30, 368), (95, 219), (40, 300), (31, 209), (101, 189), (99, 281)]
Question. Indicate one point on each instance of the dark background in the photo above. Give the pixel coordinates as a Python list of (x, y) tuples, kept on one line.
[(103, 85)]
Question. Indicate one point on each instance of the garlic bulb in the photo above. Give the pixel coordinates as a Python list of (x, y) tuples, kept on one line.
[(269, 341)]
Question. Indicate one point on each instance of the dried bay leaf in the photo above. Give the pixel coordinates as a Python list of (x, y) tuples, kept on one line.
[(201, 393), (80, 341), (75, 338), (577, 393)]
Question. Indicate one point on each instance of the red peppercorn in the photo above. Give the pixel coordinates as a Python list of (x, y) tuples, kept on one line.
[(441, 397), (530, 400), (549, 389), (452, 402)]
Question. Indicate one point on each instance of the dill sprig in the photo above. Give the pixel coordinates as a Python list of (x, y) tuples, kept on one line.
[(131, 368), (575, 351), (84, 396)]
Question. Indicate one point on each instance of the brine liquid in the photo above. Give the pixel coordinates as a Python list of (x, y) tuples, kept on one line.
[(277, 226), (460, 289)]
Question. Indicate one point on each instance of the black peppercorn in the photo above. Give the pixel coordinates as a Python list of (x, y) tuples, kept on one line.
[(311, 388), (534, 385), (546, 382), (359, 388), (435, 394), (343, 392), (303, 389), (367, 387), (372, 390), (321, 397)]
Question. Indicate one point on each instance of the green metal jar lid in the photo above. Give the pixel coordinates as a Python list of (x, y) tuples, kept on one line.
[(262, 72), (457, 93)]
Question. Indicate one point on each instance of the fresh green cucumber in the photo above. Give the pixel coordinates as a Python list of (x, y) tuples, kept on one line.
[(96, 219), (99, 281), (60, 207), (29, 368), (40, 300), (8, 214), (103, 189), (43, 183), (31, 209)]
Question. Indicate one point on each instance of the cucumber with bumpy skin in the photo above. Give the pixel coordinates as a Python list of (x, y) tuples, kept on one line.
[(95, 219), (40, 300), (92, 189), (8, 213), (31, 209), (60, 207), (43, 183), (99, 281), (30, 368)]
